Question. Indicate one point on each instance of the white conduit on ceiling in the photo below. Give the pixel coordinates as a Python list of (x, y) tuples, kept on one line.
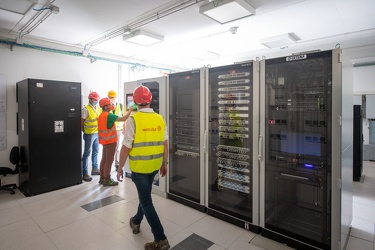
[(151, 18)]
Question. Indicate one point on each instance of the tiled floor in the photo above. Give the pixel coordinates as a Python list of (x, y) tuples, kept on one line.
[(70, 219)]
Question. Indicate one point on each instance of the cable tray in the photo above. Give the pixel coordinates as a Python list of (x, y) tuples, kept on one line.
[(240, 74), (234, 176), (237, 88), (233, 156), (233, 186), (233, 122), (233, 149), (233, 95), (233, 129), (244, 170), (231, 162), (186, 153), (234, 101)]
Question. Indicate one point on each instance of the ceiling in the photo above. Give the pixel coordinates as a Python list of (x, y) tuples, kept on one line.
[(191, 40)]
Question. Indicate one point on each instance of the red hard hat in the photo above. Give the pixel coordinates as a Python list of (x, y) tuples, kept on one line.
[(142, 95), (94, 95), (104, 101)]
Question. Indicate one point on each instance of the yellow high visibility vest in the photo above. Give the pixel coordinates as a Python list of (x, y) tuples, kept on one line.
[(90, 126), (146, 154), (118, 112)]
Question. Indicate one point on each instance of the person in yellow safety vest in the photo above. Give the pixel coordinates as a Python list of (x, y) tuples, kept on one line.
[(146, 144), (119, 111), (89, 117), (108, 138)]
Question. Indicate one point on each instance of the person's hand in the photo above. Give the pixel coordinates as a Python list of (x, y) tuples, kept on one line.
[(120, 175), (131, 108), (163, 170)]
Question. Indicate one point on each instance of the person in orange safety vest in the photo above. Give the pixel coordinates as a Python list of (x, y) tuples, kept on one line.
[(107, 135)]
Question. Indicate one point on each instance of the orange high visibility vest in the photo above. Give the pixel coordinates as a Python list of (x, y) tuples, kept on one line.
[(106, 135)]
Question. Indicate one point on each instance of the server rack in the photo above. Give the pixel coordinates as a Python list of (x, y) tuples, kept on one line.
[(233, 132), (301, 158), (187, 138), (157, 87), (49, 135)]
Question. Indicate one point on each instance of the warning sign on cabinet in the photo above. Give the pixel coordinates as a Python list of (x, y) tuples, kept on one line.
[(59, 126)]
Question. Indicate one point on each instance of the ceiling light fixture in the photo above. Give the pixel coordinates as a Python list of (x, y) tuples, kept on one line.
[(279, 41), (224, 11), (143, 38), (127, 31)]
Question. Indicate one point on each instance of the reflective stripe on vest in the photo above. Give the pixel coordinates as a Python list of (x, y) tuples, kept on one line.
[(90, 125), (106, 135), (118, 112), (146, 154)]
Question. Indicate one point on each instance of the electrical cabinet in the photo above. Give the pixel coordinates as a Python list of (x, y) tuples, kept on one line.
[(49, 135)]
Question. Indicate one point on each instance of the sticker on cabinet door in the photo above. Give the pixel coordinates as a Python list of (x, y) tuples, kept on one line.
[(59, 126)]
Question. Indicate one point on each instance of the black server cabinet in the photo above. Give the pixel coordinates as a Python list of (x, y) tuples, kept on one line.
[(357, 143), (298, 145), (185, 171), (49, 135)]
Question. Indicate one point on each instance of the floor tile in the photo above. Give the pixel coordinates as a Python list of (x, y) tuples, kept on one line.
[(12, 214), (181, 215), (102, 202), (193, 242), (19, 232), (38, 243), (359, 244), (215, 230)]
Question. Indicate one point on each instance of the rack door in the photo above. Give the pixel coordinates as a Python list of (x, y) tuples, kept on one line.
[(232, 132), (185, 126), (298, 124)]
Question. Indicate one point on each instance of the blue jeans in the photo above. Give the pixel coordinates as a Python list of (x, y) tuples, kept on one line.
[(143, 183), (91, 140)]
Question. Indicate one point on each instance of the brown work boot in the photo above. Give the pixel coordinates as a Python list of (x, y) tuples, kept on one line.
[(134, 227), (157, 245), (109, 182)]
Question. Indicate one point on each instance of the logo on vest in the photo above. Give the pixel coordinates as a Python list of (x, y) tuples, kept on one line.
[(152, 129), (149, 129)]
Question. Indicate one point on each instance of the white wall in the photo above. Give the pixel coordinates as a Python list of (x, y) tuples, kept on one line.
[(22, 63), (365, 80)]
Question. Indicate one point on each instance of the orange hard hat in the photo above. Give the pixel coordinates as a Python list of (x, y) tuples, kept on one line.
[(112, 94), (104, 101), (142, 95), (94, 95)]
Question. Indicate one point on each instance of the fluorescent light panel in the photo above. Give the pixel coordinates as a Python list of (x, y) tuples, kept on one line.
[(279, 41), (143, 38), (224, 11)]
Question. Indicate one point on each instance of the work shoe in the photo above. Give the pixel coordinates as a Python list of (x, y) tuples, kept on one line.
[(109, 182), (133, 226), (86, 177), (101, 180), (157, 245), (95, 172)]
